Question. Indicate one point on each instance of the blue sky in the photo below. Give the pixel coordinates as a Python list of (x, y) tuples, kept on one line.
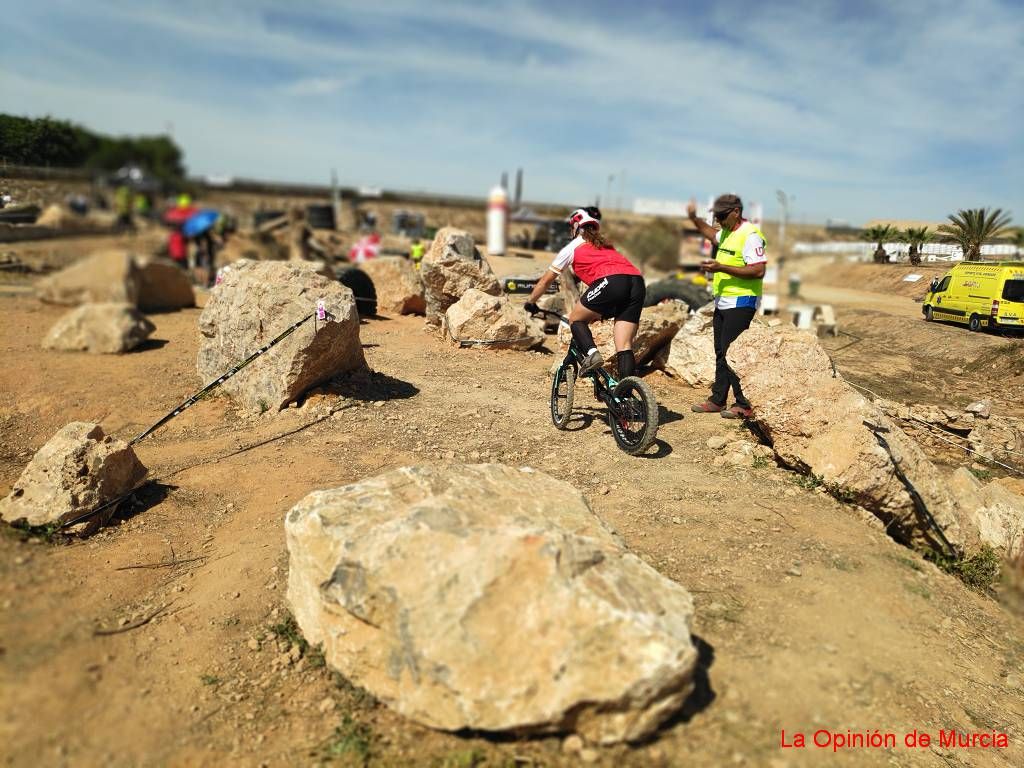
[(858, 110)]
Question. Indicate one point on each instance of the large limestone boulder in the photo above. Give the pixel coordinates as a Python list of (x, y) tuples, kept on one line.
[(489, 597), (398, 285), (162, 285), (118, 276), (995, 508), (451, 267), (104, 277), (100, 329), (991, 436), (55, 216), (821, 425), (658, 326), (491, 321), (79, 469), (692, 354), (255, 302)]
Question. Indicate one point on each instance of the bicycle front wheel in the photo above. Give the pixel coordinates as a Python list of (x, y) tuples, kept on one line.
[(633, 415), (562, 386)]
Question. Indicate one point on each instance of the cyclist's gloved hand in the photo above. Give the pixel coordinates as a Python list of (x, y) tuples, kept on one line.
[(532, 308)]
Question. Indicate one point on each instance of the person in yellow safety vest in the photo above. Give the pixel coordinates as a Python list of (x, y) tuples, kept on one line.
[(738, 269), (141, 205), (416, 252), (123, 206)]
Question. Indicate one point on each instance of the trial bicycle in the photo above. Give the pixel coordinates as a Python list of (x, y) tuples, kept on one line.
[(632, 407)]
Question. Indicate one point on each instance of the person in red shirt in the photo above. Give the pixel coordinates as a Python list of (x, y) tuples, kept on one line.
[(615, 288), (175, 218)]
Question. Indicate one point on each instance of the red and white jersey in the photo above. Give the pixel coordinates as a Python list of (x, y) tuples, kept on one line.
[(591, 263)]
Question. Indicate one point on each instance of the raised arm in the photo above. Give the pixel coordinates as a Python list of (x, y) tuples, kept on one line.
[(702, 226)]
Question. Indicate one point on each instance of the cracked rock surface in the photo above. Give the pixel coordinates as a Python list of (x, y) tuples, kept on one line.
[(489, 597)]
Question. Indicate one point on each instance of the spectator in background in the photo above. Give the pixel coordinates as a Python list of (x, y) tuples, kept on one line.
[(140, 203), (175, 218), (123, 206), (417, 251)]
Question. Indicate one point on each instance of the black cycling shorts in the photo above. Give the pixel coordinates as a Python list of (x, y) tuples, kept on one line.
[(618, 296)]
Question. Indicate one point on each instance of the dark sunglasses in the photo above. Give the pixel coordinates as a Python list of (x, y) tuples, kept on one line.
[(721, 216)]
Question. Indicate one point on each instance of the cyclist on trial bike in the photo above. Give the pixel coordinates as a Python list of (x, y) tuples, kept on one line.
[(615, 288)]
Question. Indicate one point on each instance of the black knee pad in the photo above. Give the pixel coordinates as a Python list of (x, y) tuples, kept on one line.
[(626, 363)]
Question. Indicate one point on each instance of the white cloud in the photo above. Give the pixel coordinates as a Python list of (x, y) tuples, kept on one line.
[(318, 86), (908, 111)]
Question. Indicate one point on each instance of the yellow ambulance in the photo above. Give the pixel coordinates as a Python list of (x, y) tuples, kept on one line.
[(979, 294)]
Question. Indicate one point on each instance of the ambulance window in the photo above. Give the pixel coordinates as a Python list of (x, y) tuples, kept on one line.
[(943, 285), (1013, 290)]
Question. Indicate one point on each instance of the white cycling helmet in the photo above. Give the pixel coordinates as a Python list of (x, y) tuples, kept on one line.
[(583, 217)]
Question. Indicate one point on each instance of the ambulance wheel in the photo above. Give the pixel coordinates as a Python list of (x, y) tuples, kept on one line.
[(928, 314), (974, 323)]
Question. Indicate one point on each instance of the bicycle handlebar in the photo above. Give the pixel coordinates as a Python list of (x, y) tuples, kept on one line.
[(540, 311)]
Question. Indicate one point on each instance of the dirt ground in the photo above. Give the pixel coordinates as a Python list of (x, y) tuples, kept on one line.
[(885, 344), (808, 616), (884, 279)]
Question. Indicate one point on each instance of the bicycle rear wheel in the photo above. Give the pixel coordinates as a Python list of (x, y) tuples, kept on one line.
[(562, 385), (633, 415)]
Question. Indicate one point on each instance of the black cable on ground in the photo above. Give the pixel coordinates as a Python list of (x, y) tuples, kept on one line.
[(184, 406), (935, 427), (168, 474), (919, 505), (224, 377)]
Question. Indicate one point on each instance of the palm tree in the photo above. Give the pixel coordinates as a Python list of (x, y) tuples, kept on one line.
[(972, 228), (879, 234), (916, 237)]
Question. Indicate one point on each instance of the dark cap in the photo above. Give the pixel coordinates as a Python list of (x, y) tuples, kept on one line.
[(725, 203)]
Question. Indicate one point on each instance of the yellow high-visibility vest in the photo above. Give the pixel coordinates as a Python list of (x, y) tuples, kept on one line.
[(730, 253)]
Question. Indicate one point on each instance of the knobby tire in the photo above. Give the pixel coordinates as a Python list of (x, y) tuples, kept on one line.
[(561, 403), (634, 435)]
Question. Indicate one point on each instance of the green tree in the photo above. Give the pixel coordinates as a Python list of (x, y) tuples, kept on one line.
[(157, 154), (973, 227), (59, 143), (43, 141), (656, 243), (916, 237), (878, 234)]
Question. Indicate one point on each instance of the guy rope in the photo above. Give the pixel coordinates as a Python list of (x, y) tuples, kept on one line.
[(320, 314)]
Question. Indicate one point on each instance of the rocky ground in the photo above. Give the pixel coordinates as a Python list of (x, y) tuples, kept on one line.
[(165, 639)]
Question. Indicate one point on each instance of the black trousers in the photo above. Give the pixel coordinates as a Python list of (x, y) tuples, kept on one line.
[(728, 324)]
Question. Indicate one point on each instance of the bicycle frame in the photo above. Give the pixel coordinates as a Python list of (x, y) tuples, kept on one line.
[(604, 382), (622, 410)]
